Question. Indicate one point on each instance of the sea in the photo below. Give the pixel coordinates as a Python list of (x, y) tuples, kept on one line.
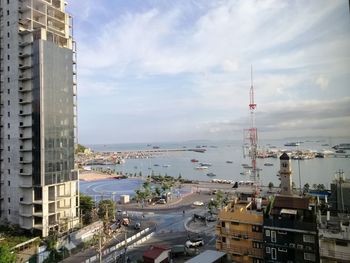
[(226, 158)]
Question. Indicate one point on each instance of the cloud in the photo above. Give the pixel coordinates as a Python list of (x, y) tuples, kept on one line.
[(193, 58)]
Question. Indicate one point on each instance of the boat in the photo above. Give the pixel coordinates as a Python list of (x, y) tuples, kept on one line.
[(340, 151), (268, 164), (245, 165), (211, 174), (205, 164), (319, 155), (166, 165), (229, 161), (201, 167), (194, 160), (342, 146), (155, 147), (155, 164), (197, 150), (292, 144), (325, 144)]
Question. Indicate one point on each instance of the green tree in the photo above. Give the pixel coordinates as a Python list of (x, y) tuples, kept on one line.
[(5, 255), (321, 187), (314, 186), (86, 207), (80, 148), (157, 191), (106, 209), (306, 188), (219, 198)]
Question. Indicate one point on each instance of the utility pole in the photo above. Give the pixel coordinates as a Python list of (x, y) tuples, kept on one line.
[(126, 246)]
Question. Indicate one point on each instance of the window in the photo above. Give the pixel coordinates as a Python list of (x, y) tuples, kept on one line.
[(267, 250), (309, 239), (282, 249), (8, 80), (291, 245), (8, 1), (8, 182), (8, 125), (282, 232), (9, 211), (223, 239), (8, 46), (273, 236), (284, 165), (309, 257), (267, 232), (273, 253), (8, 23), (8, 102), (256, 228), (300, 246), (8, 68), (257, 245), (8, 34), (223, 224), (8, 114), (9, 160), (8, 91), (8, 12), (8, 136), (9, 199), (8, 57), (8, 148)]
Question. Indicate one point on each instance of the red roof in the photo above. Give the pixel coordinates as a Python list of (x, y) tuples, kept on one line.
[(155, 251)]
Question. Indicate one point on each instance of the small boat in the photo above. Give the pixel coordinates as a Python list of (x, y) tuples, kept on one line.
[(268, 164), (155, 164), (326, 144), (229, 162), (205, 164), (166, 165), (340, 151), (319, 155), (245, 165), (194, 160), (211, 174), (155, 147), (292, 144), (342, 146), (201, 167)]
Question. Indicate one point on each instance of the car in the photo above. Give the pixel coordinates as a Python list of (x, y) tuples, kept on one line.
[(198, 203), (137, 226), (195, 242), (161, 201)]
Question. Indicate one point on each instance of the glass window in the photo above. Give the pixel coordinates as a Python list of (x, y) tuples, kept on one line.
[(267, 232), (273, 236), (274, 253)]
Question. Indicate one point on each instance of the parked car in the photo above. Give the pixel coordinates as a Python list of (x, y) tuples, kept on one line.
[(198, 203), (195, 242), (161, 201)]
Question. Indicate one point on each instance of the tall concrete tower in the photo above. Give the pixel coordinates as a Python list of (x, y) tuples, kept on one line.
[(39, 182), (286, 174)]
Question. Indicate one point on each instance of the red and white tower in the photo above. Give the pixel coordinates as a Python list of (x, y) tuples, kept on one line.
[(251, 134)]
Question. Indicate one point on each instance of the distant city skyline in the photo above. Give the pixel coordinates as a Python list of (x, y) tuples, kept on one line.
[(180, 70)]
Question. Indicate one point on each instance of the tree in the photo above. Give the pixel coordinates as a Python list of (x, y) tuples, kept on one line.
[(86, 207), (270, 186), (157, 191), (306, 188), (5, 255), (106, 209), (219, 197), (314, 186), (321, 187)]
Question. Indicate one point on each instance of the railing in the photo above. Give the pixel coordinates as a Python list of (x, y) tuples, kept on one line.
[(326, 253), (285, 223), (239, 234), (246, 251)]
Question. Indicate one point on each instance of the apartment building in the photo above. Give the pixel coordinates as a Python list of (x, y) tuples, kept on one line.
[(290, 228), (239, 231), (39, 183)]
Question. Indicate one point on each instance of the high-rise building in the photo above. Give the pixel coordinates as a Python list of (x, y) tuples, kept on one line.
[(39, 183)]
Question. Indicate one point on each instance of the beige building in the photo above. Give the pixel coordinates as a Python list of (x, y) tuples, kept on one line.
[(39, 183), (239, 231)]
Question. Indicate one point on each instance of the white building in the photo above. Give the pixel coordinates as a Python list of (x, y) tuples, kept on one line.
[(39, 184)]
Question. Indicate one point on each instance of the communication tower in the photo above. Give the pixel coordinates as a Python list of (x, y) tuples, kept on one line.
[(251, 134)]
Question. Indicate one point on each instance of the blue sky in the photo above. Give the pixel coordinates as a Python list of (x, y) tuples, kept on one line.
[(152, 71)]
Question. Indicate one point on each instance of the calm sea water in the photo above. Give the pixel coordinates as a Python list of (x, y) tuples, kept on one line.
[(318, 170)]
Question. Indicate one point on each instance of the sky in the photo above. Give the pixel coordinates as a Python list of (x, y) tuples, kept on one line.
[(155, 71)]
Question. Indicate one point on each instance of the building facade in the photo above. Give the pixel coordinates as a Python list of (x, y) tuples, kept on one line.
[(239, 231), (290, 227), (39, 182)]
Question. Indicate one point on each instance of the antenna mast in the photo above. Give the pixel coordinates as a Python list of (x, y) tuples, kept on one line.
[(251, 133)]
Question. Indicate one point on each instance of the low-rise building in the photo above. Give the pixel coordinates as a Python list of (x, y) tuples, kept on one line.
[(334, 239), (239, 231)]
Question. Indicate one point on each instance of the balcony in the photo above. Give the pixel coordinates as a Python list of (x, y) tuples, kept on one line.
[(21, 101), (25, 202), (245, 251), (25, 77), (24, 67), (25, 173), (25, 214), (24, 55), (23, 44), (333, 254), (25, 185), (21, 89)]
